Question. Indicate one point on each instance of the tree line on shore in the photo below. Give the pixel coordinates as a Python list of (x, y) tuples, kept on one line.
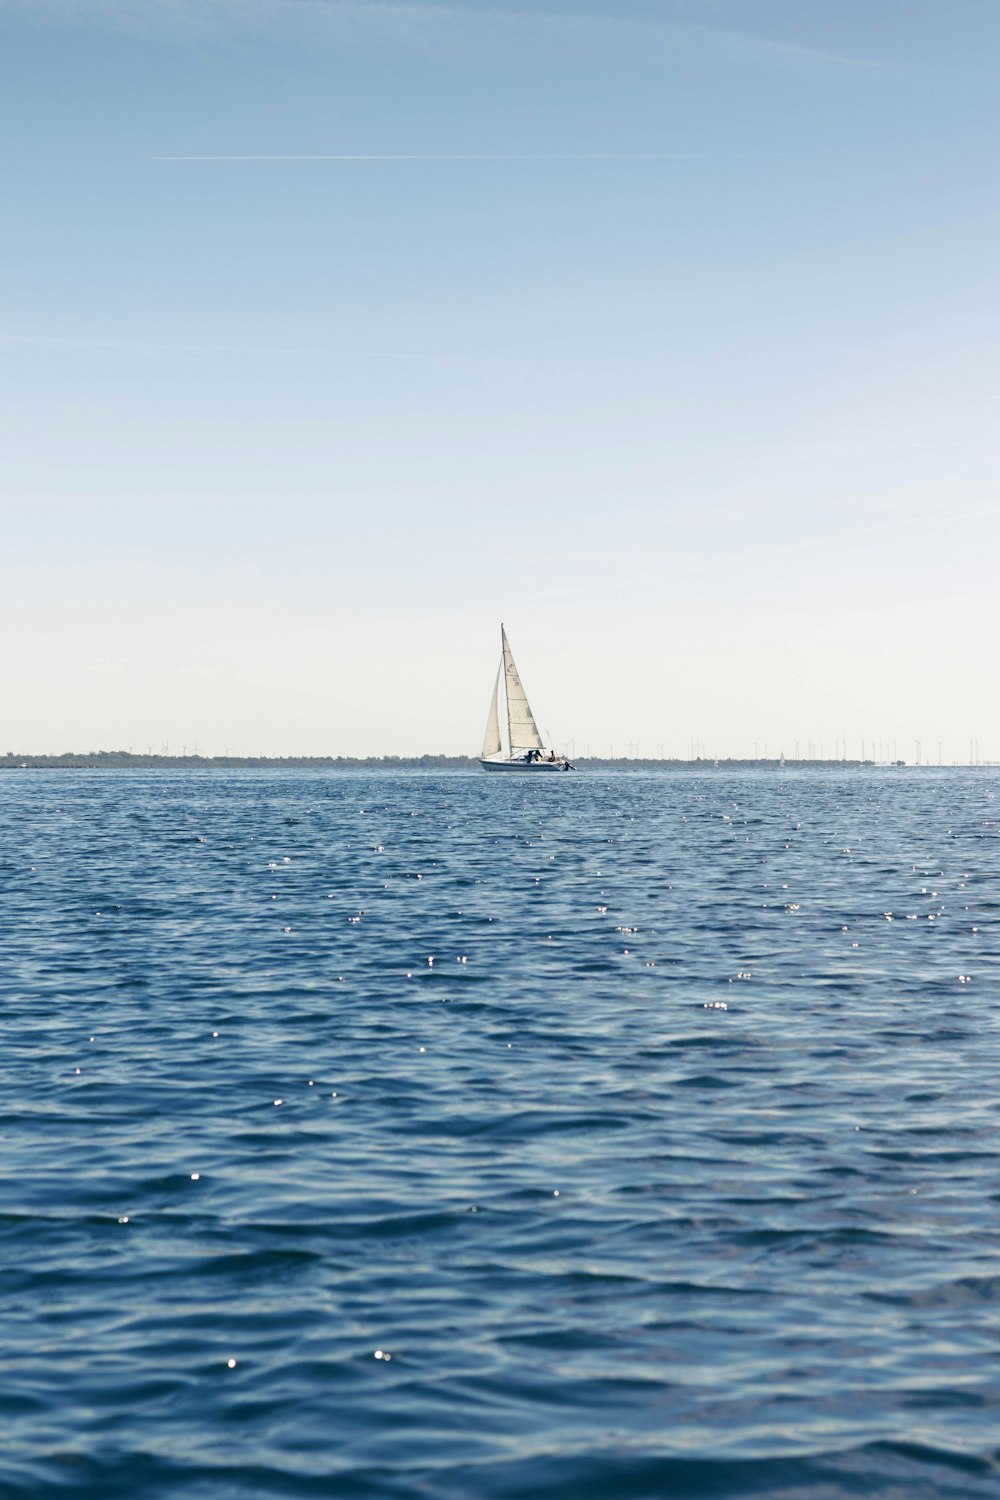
[(126, 759)]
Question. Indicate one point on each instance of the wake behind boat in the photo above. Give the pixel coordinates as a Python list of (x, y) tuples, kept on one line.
[(512, 741)]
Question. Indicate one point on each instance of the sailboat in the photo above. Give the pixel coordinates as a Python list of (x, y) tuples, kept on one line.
[(512, 741)]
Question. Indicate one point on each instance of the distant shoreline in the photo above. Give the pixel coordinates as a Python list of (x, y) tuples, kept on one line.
[(114, 760)]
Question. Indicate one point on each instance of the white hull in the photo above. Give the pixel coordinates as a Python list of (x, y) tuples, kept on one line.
[(534, 767)]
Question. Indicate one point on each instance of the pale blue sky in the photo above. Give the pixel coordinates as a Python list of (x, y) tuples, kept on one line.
[(672, 340)]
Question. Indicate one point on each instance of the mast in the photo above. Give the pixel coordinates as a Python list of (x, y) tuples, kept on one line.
[(504, 654)]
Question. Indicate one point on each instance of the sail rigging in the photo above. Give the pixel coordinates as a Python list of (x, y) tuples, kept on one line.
[(491, 739), (522, 731)]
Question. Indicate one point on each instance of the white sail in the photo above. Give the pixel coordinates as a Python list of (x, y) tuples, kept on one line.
[(521, 726), (491, 739)]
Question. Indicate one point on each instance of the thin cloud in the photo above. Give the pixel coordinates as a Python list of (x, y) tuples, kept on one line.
[(749, 560), (137, 348), (423, 25)]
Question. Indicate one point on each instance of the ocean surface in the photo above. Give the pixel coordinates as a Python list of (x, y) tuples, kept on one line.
[(418, 1136)]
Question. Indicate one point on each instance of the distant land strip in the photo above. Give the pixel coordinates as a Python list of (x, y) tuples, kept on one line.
[(113, 760)]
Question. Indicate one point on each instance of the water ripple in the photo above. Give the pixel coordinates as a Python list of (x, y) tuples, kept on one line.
[(415, 1136)]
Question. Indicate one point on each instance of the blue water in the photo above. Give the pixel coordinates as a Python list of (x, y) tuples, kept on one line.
[(676, 1172)]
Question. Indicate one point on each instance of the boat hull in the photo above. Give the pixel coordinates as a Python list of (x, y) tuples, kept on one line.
[(522, 767)]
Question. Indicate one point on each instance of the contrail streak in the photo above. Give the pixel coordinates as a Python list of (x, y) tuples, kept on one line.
[(498, 156)]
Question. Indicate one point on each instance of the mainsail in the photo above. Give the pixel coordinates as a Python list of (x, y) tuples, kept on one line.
[(491, 739), (521, 727)]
